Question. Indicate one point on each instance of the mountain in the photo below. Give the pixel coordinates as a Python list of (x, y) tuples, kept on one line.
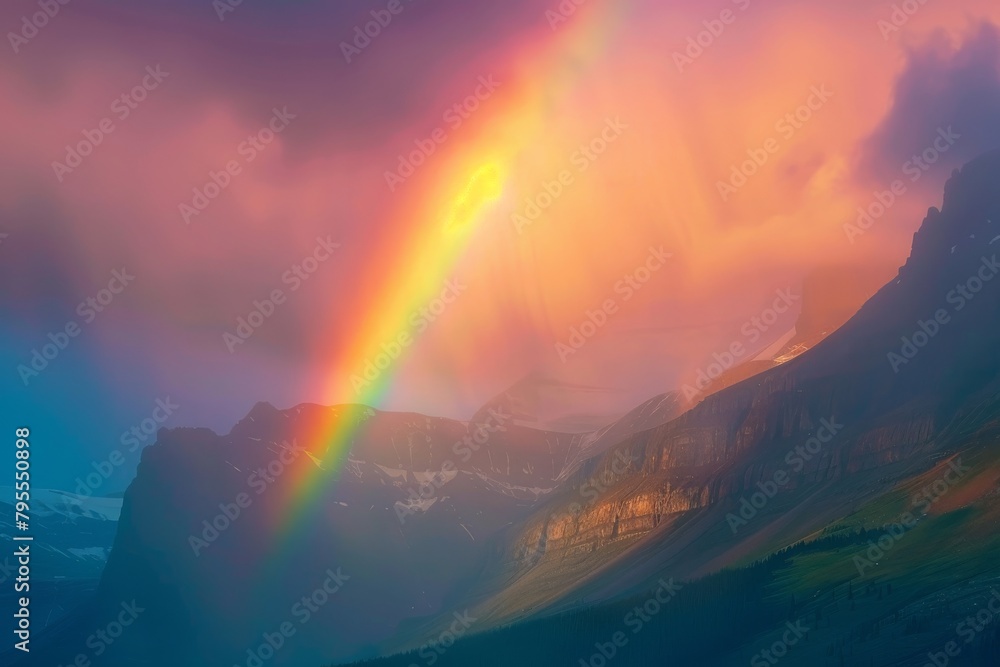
[(405, 509), (648, 414), (72, 536), (803, 509), (74, 533), (546, 403), (522, 399), (821, 491), (830, 296)]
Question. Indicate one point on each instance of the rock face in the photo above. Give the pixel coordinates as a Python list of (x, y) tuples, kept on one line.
[(696, 461)]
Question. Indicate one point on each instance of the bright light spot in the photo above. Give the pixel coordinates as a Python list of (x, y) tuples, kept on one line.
[(484, 187)]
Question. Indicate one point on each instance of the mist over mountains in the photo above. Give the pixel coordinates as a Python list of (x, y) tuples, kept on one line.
[(815, 494)]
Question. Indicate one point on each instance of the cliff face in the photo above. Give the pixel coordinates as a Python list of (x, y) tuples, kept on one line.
[(687, 466)]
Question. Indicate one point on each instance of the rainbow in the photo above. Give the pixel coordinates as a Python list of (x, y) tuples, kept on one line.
[(444, 227)]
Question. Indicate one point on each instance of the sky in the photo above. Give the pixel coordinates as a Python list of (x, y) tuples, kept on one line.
[(471, 194)]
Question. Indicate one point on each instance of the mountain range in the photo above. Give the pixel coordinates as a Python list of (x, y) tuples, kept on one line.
[(841, 506)]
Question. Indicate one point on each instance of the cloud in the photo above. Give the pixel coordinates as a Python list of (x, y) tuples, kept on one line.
[(941, 87)]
